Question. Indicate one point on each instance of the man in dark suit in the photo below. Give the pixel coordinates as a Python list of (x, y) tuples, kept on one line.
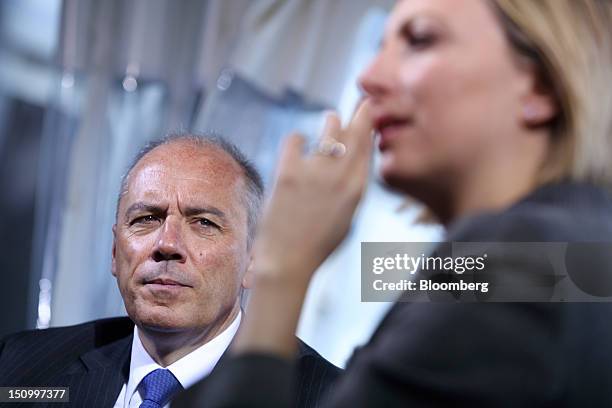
[(186, 217)]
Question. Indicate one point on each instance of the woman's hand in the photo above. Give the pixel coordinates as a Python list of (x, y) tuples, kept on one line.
[(307, 217), (314, 198)]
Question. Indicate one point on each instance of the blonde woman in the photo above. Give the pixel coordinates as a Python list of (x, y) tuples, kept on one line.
[(497, 115)]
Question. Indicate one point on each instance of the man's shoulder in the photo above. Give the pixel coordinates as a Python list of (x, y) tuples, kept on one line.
[(304, 350), (308, 354), (316, 376), (21, 351), (103, 331)]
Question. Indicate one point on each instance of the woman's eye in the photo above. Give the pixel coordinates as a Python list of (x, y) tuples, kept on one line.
[(417, 36), (420, 40)]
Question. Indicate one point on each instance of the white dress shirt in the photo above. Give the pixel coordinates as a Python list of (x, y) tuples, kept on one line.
[(188, 370)]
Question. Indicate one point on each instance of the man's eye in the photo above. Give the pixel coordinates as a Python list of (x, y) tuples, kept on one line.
[(145, 220), (206, 223)]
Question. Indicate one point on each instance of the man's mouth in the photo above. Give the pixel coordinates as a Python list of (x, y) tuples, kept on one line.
[(165, 282)]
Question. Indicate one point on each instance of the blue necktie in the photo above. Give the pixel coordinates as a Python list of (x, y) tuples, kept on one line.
[(158, 387)]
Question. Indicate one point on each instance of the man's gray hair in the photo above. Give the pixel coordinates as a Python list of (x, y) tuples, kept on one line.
[(254, 189)]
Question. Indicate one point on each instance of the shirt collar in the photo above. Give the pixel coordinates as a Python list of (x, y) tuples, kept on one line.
[(189, 369)]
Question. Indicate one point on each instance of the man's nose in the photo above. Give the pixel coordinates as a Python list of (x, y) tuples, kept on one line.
[(169, 245)]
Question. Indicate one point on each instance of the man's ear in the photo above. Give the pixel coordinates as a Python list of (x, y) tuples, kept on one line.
[(539, 104), (114, 252), (247, 279)]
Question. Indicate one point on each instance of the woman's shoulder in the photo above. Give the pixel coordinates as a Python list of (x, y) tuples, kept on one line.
[(554, 212)]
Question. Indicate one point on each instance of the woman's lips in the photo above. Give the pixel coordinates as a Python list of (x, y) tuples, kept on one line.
[(389, 131)]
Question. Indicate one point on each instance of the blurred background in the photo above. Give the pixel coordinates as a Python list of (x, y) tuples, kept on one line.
[(85, 83)]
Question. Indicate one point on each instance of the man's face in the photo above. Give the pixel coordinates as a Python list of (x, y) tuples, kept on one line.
[(180, 247)]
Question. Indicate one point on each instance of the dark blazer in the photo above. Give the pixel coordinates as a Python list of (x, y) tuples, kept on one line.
[(93, 360), (478, 354)]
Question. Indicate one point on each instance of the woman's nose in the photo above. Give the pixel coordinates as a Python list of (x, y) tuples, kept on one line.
[(376, 78)]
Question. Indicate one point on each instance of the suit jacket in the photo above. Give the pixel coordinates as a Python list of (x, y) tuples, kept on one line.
[(93, 360), (478, 354)]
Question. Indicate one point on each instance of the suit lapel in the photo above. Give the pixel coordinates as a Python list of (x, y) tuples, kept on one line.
[(106, 371)]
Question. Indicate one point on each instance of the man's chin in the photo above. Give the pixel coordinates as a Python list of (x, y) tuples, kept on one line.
[(165, 320), (160, 328)]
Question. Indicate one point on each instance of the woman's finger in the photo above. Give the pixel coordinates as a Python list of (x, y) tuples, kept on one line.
[(330, 142), (292, 151), (359, 132), (332, 128)]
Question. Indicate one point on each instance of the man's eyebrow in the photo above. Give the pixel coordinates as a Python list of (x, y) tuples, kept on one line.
[(191, 211), (142, 207)]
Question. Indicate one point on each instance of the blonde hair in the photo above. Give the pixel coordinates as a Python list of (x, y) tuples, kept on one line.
[(570, 41)]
